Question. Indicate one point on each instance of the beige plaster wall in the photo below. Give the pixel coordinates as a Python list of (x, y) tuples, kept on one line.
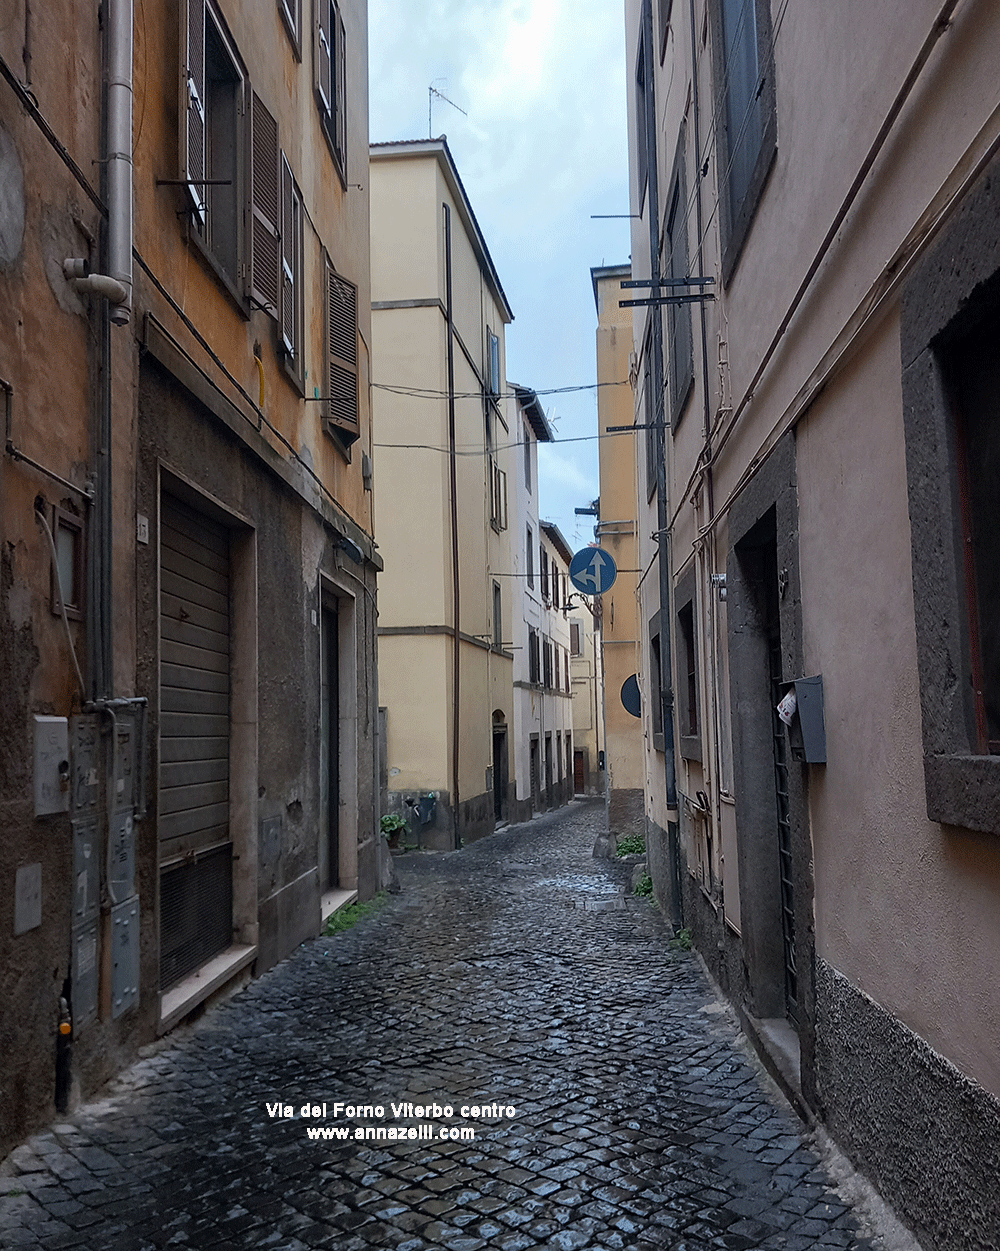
[(904, 908)]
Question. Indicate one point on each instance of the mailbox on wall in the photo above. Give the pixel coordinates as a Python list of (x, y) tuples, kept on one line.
[(807, 731)]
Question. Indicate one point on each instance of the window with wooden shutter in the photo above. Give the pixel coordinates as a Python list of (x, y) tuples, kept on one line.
[(265, 275), (192, 111), (290, 323), (324, 57), (331, 80), (342, 355), (291, 11), (340, 89)]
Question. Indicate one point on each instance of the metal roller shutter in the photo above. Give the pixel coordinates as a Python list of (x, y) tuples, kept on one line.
[(193, 809)]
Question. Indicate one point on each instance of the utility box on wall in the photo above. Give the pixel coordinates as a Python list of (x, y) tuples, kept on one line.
[(807, 732), (52, 782)]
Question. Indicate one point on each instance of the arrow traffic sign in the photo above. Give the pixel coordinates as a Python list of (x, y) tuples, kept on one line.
[(592, 570)]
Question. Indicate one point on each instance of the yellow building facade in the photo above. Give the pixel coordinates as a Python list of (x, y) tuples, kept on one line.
[(442, 458)]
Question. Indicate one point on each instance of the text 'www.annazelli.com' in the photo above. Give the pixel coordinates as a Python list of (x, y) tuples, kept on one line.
[(423, 1130), (394, 1133)]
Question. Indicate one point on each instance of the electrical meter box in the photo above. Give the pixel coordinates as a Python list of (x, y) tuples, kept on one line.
[(52, 781)]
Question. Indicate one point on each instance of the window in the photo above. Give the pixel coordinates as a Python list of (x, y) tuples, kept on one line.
[(67, 533), (547, 664), (216, 152), (331, 81), (291, 11), (527, 459), (652, 413), (574, 638), (744, 71), (971, 376), (498, 495), (497, 616), (530, 550), (566, 670), (533, 656), (291, 276), (543, 560), (665, 7), (676, 265), (492, 364), (951, 411), (642, 128), (555, 586), (655, 684), (342, 357)]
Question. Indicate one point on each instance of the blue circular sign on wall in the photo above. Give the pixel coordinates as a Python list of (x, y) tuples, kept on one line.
[(593, 571), (631, 698)]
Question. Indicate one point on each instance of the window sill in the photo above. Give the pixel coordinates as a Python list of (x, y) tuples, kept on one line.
[(964, 791), (690, 747), (183, 998)]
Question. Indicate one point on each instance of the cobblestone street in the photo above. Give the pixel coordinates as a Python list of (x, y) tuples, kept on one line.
[(514, 972)]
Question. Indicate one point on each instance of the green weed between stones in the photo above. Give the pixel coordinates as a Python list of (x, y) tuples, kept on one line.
[(631, 845), (681, 941), (346, 917), (644, 887)]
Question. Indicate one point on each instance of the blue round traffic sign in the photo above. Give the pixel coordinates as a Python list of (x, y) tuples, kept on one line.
[(593, 571)]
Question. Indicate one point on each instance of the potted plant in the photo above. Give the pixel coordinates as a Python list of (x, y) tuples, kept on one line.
[(393, 826)]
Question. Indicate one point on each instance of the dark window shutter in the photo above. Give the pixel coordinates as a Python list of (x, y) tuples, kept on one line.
[(324, 57), (342, 95), (193, 105), (342, 328), (289, 268), (292, 11), (265, 281)]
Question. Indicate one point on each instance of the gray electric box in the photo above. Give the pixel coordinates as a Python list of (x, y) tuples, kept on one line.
[(85, 756), (84, 973), (86, 869), (124, 956), (121, 855)]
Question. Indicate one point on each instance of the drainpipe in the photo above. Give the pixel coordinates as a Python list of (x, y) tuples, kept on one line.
[(453, 482), (711, 687), (662, 511), (116, 285)]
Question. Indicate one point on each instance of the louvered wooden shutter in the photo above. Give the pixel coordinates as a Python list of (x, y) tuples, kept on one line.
[(289, 272), (342, 339), (192, 111), (324, 56), (265, 261)]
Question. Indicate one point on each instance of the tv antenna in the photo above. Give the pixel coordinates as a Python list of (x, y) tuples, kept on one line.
[(432, 91)]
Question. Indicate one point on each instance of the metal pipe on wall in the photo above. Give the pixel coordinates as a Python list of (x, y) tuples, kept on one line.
[(453, 482), (119, 154), (662, 513)]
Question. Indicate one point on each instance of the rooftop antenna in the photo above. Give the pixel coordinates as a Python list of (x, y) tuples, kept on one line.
[(432, 91)]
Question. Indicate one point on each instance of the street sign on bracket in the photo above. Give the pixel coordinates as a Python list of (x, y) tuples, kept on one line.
[(593, 570)]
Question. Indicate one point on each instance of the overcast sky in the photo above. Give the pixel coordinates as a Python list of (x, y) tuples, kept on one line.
[(542, 148)]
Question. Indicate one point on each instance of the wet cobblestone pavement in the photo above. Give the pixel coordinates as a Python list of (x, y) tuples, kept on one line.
[(514, 972)]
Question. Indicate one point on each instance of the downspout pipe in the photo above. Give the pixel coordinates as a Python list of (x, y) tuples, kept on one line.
[(666, 692), (116, 285), (453, 484), (120, 155)]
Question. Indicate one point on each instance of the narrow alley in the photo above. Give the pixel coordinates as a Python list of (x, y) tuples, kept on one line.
[(514, 976)]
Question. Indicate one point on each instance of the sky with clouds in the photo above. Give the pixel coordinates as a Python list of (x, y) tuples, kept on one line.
[(543, 146)]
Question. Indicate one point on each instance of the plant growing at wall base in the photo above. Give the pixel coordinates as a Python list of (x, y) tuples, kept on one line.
[(344, 918), (393, 826), (630, 845), (644, 887), (681, 941)]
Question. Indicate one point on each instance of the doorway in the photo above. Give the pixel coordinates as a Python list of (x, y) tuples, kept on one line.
[(500, 768), (329, 842)]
